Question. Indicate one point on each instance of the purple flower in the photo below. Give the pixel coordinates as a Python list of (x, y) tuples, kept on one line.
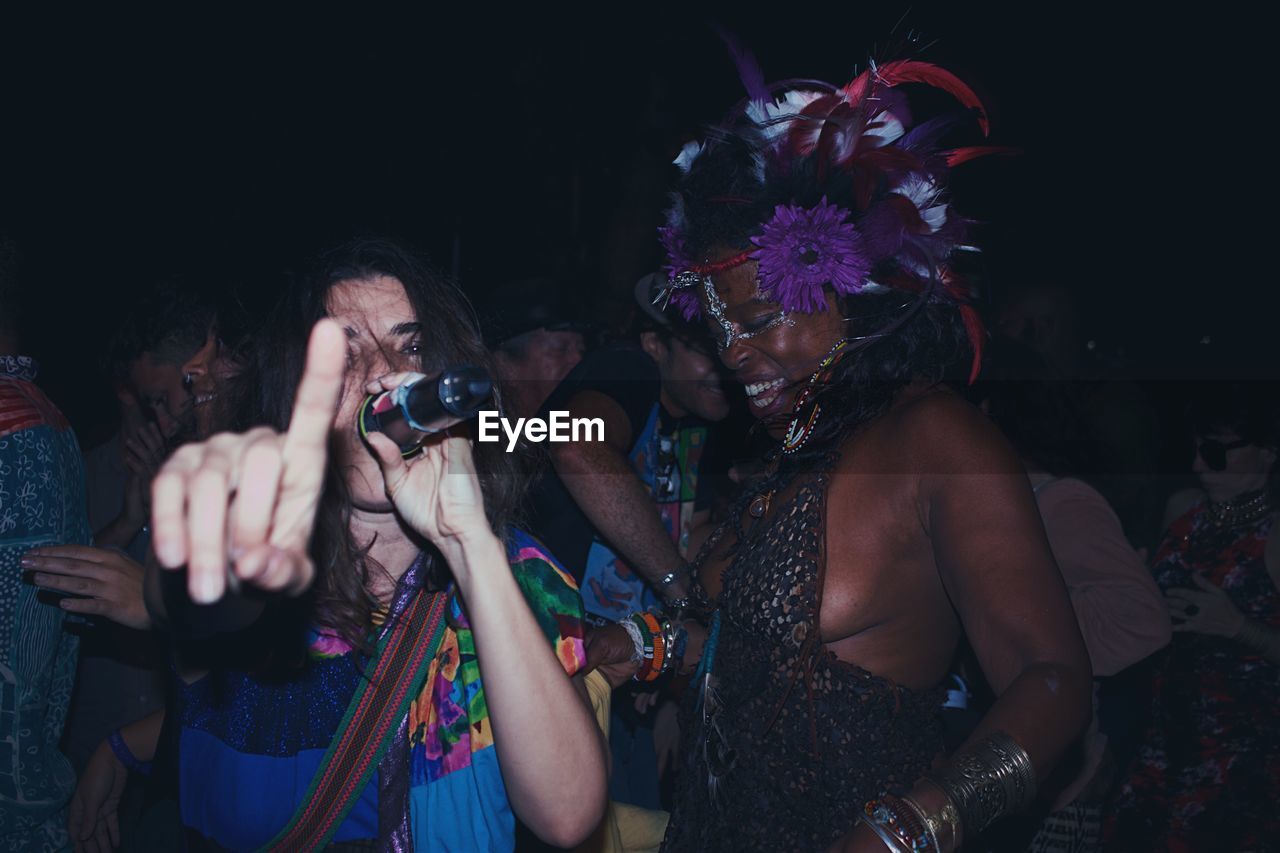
[(802, 249)]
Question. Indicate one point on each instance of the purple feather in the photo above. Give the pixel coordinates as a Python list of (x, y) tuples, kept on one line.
[(748, 69), (927, 134)]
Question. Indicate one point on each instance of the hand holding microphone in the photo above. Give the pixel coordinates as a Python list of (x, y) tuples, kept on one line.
[(436, 491), (411, 411)]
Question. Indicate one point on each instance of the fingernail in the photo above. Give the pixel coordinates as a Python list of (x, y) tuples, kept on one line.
[(205, 591), (168, 554)]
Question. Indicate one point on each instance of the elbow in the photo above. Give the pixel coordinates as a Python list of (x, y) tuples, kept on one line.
[(575, 811), (572, 820), (572, 457)]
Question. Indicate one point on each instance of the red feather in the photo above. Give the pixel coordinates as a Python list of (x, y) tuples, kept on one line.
[(911, 71), (963, 155), (973, 328)]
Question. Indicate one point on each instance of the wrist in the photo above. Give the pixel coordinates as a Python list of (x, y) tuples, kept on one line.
[(1254, 635), (124, 755), (673, 586), (470, 552)]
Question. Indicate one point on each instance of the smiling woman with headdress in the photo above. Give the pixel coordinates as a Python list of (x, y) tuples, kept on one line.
[(813, 232)]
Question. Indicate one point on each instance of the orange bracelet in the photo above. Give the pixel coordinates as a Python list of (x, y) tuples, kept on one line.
[(653, 666)]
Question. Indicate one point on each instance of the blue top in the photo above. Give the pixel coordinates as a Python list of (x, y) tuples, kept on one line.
[(250, 745)]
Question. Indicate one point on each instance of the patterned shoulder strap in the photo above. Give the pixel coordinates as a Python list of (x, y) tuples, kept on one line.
[(391, 680)]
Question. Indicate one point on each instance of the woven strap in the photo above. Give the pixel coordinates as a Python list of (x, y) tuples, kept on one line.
[(391, 680)]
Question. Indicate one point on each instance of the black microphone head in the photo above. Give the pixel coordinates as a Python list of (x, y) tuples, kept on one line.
[(464, 390)]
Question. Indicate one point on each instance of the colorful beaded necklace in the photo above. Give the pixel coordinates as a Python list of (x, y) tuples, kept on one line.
[(804, 418)]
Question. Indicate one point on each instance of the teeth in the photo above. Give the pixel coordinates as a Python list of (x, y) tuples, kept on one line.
[(757, 388)]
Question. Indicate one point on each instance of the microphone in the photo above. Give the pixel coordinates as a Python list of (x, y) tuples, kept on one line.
[(415, 410)]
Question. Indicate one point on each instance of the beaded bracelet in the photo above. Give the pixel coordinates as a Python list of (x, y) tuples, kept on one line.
[(658, 658), (637, 643), (645, 645), (889, 816), (126, 756)]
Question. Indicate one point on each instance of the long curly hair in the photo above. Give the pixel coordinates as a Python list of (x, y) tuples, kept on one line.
[(265, 391)]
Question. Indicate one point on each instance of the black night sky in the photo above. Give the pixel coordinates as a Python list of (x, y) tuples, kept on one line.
[(506, 146)]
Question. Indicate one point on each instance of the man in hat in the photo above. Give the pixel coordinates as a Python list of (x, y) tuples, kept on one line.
[(534, 339), (620, 513)]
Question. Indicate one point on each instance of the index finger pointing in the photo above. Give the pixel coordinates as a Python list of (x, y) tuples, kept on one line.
[(318, 393)]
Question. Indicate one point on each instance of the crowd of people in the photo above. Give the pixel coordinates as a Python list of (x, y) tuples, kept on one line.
[(840, 573)]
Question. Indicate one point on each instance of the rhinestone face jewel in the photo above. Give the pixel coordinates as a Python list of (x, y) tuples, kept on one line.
[(731, 332)]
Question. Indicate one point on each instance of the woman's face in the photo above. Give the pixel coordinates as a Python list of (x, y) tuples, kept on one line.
[(383, 336), (1245, 468), (771, 352)]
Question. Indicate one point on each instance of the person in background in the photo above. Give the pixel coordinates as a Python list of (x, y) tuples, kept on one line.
[(535, 341), (1207, 775), (1121, 614), (620, 512), (169, 353), (42, 502), (171, 325)]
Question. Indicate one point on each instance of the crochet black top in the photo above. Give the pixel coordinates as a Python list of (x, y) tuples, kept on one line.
[(785, 743)]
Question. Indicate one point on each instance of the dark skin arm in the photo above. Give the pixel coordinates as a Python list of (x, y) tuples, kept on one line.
[(995, 563), (605, 487), (988, 545)]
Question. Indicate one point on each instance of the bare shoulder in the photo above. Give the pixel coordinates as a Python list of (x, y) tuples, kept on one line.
[(934, 430)]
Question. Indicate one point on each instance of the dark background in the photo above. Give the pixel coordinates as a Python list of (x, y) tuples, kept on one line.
[(511, 145)]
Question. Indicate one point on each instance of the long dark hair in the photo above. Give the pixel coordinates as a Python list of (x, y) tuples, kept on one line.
[(450, 335)]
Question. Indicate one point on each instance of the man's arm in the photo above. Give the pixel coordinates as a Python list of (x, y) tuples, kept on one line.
[(599, 477)]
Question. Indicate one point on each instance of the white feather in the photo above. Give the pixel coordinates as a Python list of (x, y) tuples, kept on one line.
[(922, 192), (687, 155), (884, 129), (771, 117)]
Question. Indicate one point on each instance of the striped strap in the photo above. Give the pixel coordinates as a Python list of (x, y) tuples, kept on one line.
[(391, 680)]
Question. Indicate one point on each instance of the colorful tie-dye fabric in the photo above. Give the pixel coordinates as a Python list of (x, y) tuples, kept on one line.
[(457, 800)]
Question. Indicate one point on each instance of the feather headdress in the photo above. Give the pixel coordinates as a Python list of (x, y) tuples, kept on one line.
[(833, 186)]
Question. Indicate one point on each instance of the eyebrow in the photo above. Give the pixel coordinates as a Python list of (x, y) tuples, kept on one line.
[(399, 329)]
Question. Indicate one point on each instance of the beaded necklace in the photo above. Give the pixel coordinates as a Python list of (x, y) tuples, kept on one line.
[(804, 418), (1245, 509), (797, 435)]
